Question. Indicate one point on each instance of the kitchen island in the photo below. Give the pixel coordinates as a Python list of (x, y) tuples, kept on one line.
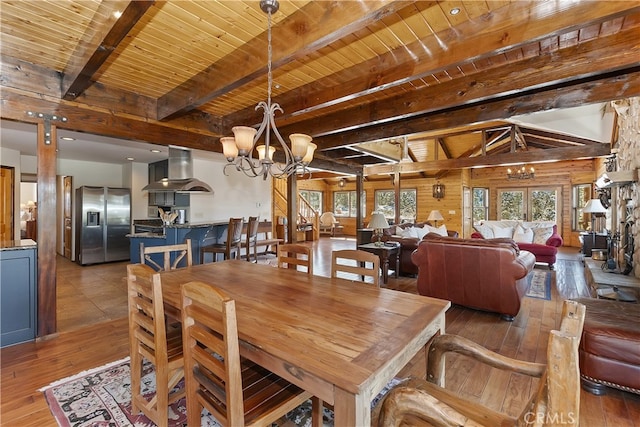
[(18, 291), (200, 233)]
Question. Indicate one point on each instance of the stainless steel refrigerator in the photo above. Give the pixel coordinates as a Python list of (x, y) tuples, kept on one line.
[(103, 219)]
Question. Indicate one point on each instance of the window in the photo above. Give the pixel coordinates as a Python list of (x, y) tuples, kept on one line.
[(314, 198), (528, 204), (580, 195), (385, 203), (344, 203), (480, 204)]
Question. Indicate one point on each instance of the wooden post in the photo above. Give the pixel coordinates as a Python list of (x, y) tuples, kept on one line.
[(46, 163)]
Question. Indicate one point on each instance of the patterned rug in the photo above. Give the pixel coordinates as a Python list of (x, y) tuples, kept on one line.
[(101, 397), (539, 284)]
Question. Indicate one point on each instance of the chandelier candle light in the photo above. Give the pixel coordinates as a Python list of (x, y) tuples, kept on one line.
[(239, 149), (521, 173)]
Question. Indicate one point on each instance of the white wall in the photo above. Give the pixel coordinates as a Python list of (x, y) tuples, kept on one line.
[(136, 176), (91, 173), (235, 195)]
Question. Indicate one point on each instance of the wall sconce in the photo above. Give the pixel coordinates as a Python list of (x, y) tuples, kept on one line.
[(438, 191), (341, 183)]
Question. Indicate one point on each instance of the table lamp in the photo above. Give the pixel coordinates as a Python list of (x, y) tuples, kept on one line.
[(594, 207), (378, 222), (435, 216)]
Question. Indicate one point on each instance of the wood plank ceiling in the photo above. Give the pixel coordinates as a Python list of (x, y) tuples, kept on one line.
[(434, 87)]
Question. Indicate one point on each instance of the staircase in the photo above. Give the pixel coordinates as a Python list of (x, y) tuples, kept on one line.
[(307, 218)]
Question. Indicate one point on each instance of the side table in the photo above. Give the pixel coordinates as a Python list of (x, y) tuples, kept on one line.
[(386, 252)]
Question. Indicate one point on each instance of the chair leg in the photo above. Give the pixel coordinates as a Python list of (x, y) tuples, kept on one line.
[(136, 373), (316, 412)]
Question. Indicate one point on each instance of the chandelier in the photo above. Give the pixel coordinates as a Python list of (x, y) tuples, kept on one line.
[(239, 149), (521, 173)]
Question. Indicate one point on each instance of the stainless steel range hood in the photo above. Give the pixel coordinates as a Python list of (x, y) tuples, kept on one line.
[(180, 173)]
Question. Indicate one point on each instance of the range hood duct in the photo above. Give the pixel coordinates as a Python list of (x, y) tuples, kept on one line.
[(180, 177)]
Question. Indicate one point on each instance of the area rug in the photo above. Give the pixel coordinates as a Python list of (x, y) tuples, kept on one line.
[(101, 397), (539, 284)]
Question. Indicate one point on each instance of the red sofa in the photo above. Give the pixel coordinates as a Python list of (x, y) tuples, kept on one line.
[(544, 253), (488, 275)]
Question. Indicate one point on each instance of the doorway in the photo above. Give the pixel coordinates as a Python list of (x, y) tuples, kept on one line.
[(529, 204), (7, 200)]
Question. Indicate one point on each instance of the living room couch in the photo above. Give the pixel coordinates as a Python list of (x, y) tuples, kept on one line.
[(541, 238), (610, 346), (487, 274), (409, 235)]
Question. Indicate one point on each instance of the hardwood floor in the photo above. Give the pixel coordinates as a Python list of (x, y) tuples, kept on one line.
[(93, 331)]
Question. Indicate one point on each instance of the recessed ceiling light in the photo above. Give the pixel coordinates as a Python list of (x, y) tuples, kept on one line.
[(130, 159), (454, 11), (117, 14), (68, 138), (155, 151)]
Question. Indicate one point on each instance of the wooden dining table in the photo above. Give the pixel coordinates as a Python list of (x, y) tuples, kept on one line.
[(340, 340)]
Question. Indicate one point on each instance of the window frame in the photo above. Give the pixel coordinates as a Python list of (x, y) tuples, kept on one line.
[(411, 218), (577, 217), (352, 200), (484, 207)]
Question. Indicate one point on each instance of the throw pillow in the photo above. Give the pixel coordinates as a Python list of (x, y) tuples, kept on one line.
[(542, 234), (442, 230), (422, 231), (409, 232), (485, 230), (523, 235), (499, 231)]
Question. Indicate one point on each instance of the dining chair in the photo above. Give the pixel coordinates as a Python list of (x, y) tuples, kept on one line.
[(151, 339), (294, 255), (251, 238), (179, 251), (355, 261), (230, 246), (235, 390), (556, 401)]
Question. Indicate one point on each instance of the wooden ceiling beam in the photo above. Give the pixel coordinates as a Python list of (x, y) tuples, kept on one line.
[(81, 118), (316, 25), (549, 135), (579, 94), (38, 82), (472, 40), (553, 154), (613, 54), (86, 61)]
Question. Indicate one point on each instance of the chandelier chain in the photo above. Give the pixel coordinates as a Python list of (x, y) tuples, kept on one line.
[(240, 154)]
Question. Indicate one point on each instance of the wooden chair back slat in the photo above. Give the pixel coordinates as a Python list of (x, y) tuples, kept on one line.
[(251, 237), (356, 262), (294, 255), (178, 251)]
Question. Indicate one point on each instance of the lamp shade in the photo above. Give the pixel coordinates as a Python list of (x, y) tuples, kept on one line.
[(378, 221), (594, 206), (244, 138), (435, 215), (262, 152), (229, 147)]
